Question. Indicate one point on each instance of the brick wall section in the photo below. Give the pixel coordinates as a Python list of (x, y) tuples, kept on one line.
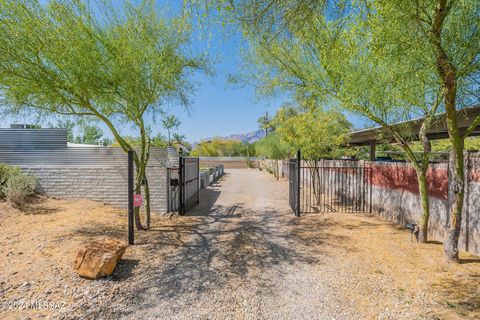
[(103, 184)]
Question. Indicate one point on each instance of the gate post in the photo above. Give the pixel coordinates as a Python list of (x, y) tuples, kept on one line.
[(131, 209), (198, 184), (181, 185), (297, 191)]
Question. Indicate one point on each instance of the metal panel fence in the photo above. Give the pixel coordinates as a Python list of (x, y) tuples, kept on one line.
[(77, 156), (28, 139)]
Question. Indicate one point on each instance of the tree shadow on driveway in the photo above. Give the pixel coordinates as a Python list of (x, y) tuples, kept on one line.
[(228, 246)]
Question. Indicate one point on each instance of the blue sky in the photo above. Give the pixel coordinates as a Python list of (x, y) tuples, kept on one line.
[(217, 107)]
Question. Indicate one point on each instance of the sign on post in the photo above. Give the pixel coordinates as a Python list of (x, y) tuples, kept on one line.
[(137, 200)]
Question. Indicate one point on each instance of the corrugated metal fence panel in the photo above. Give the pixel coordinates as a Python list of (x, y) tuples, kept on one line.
[(77, 156), (27, 139), (93, 156), (158, 157), (172, 157)]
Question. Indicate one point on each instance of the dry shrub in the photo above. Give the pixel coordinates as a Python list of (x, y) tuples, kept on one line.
[(15, 186), (7, 171)]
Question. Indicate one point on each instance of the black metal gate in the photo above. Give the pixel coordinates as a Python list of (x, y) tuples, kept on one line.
[(184, 192), (319, 188), (294, 168), (188, 173)]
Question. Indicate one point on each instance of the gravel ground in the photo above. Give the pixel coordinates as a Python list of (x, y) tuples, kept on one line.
[(240, 254), (241, 262)]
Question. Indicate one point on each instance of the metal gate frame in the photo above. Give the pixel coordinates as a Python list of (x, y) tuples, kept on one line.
[(330, 189), (294, 166), (189, 183)]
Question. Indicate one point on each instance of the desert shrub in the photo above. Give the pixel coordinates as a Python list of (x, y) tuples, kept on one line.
[(19, 187), (7, 171)]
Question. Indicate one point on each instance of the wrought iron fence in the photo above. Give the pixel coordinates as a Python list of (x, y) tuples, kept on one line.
[(316, 188)]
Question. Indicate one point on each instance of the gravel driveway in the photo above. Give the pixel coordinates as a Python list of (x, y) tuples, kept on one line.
[(240, 261), (241, 254)]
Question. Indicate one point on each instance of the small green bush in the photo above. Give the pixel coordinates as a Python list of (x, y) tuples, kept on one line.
[(7, 171), (15, 186), (19, 188)]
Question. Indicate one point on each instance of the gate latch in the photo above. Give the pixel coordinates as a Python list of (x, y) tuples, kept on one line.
[(174, 182)]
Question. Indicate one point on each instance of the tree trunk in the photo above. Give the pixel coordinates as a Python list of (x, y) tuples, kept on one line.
[(142, 177), (448, 74), (138, 221), (422, 174), (146, 186), (457, 183), (457, 173), (146, 220), (421, 171), (423, 225)]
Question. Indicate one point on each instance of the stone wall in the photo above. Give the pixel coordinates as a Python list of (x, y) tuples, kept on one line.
[(104, 184)]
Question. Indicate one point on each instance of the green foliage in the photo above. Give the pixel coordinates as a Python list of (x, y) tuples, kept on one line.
[(272, 147), (218, 147), (89, 133), (318, 134), (117, 65), (67, 124), (443, 145), (19, 188), (158, 141), (15, 186), (171, 124), (284, 113), (265, 123), (6, 172)]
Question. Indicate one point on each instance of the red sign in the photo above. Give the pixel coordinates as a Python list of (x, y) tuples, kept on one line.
[(137, 200)]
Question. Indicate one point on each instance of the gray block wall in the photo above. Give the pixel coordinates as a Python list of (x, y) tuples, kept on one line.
[(103, 184)]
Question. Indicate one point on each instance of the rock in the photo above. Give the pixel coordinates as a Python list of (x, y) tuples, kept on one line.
[(99, 258)]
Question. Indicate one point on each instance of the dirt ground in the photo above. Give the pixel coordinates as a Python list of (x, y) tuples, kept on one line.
[(240, 254)]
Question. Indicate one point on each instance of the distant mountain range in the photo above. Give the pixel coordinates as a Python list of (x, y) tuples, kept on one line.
[(249, 137)]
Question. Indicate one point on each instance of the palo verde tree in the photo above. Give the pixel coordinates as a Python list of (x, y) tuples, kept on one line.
[(273, 147), (376, 80), (318, 134), (116, 65), (449, 33), (413, 57), (347, 61), (437, 42)]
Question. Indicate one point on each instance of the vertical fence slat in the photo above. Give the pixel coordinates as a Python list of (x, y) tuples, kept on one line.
[(320, 188)]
